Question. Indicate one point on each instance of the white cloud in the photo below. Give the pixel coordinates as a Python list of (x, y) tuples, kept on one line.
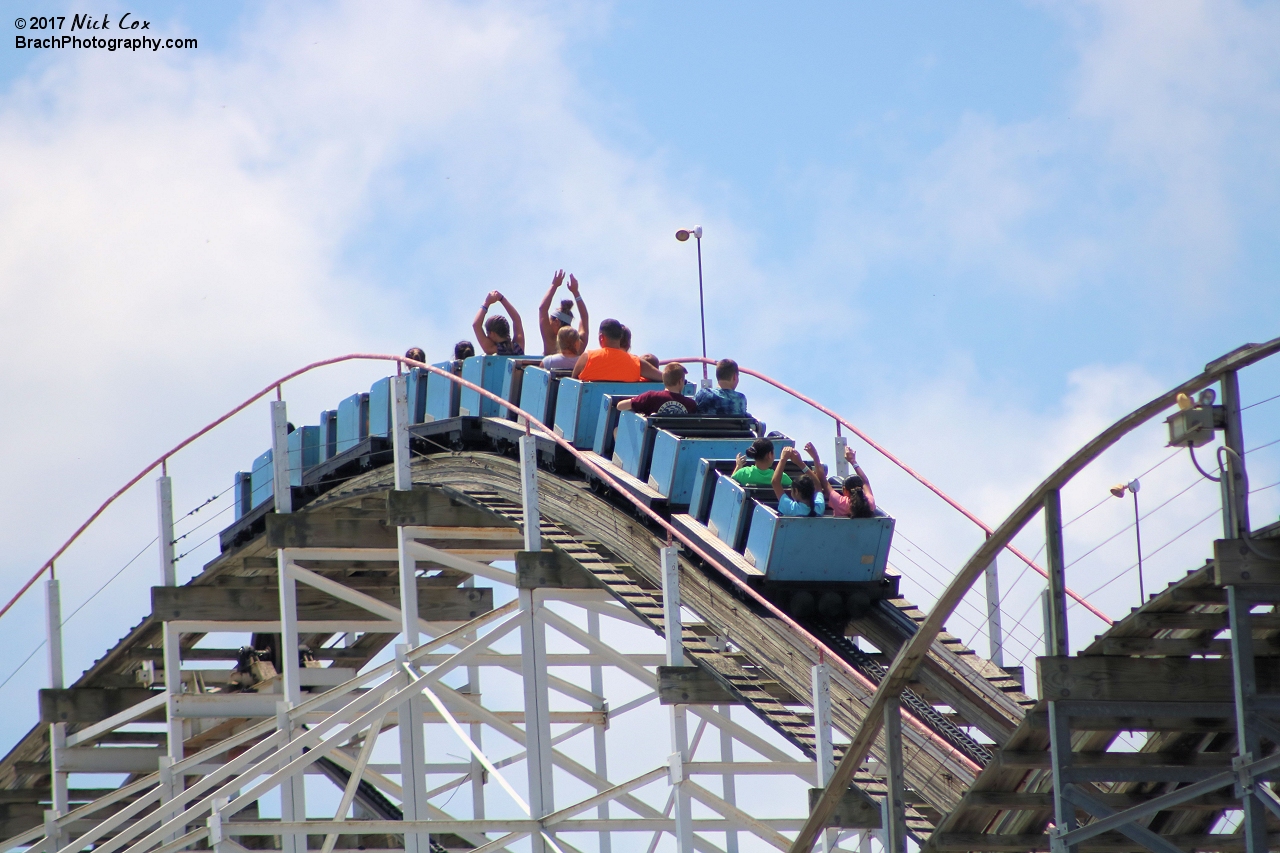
[(177, 230)]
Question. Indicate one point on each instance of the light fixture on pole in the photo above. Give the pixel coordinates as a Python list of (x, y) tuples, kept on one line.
[(1118, 491), (683, 235)]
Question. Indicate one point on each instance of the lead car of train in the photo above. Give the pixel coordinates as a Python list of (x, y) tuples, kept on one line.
[(825, 568)]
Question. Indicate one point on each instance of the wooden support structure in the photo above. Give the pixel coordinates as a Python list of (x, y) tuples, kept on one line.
[(261, 603)]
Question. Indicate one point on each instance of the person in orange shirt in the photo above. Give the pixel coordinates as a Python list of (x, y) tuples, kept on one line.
[(611, 363)]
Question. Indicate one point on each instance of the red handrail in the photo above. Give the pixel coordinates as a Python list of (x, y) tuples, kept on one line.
[(896, 461)]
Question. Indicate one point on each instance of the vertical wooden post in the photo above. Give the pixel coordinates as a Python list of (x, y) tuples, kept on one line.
[(57, 731), (400, 432), (1057, 624), (598, 733), (995, 636), (164, 510), (673, 627), (529, 492), (842, 464), (895, 803), (537, 727), (1248, 743), (280, 457), (1233, 437), (293, 802), (289, 651), (727, 780), (1060, 753), (821, 677), (477, 729), (53, 627), (292, 790), (413, 744), (413, 761), (533, 641), (173, 689)]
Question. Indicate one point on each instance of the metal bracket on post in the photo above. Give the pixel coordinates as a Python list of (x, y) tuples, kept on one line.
[(842, 464), (164, 509), (995, 636), (895, 800), (280, 487), (673, 627), (529, 492)]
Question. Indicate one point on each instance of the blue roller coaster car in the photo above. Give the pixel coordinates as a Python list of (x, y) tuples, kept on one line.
[(538, 391), (821, 549), (489, 372), (578, 407), (443, 396)]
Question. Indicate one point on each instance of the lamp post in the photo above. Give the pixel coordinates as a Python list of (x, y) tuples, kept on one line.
[(1118, 491), (682, 235)]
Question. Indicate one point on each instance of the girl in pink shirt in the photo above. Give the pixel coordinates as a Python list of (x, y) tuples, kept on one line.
[(856, 499)]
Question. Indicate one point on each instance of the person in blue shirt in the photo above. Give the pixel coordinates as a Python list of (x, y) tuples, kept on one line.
[(806, 498), (725, 400)]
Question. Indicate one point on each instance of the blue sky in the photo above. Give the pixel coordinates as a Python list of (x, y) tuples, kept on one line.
[(983, 231)]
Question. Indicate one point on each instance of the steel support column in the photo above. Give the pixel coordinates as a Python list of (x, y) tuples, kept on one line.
[(673, 627), (280, 457)]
